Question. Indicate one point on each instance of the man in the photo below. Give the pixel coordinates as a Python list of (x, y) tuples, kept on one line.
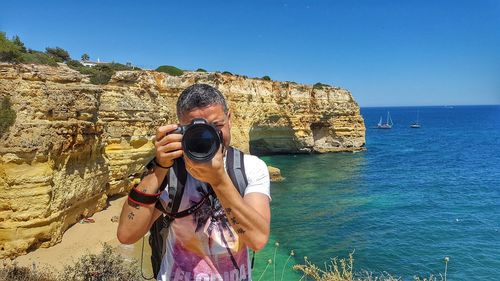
[(213, 242)]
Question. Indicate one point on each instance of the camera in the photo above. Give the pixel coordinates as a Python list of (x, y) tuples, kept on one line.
[(200, 140)]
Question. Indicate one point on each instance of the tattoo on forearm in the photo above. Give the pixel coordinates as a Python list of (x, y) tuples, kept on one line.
[(131, 216), (234, 221)]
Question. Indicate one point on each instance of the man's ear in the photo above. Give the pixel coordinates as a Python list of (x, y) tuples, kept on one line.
[(229, 119)]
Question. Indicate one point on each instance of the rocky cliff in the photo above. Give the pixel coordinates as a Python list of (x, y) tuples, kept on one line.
[(74, 144)]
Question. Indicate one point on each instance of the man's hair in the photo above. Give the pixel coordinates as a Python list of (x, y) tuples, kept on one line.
[(199, 96)]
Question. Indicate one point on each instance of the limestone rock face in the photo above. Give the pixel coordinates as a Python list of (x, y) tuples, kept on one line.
[(74, 144), (275, 174)]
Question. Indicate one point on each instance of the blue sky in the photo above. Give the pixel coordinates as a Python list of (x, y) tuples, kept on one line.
[(387, 53)]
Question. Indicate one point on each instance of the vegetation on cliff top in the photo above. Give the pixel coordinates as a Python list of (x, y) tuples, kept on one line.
[(170, 70), (101, 73), (14, 51), (320, 86)]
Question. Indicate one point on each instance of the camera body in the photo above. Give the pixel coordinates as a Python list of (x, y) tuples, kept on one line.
[(200, 140)]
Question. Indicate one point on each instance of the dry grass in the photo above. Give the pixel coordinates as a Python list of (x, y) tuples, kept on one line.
[(342, 270), (339, 270), (12, 272), (105, 266)]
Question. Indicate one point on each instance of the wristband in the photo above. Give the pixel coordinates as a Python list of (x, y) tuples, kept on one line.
[(158, 164), (141, 198)]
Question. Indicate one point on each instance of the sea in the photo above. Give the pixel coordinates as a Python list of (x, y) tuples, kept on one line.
[(413, 198)]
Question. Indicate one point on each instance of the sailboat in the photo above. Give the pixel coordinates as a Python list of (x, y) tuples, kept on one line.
[(415, 124), (388, 123)]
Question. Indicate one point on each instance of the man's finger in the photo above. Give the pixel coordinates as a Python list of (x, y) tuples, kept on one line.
[(164, 130), (171, 155), (169, 138), (170, 147)]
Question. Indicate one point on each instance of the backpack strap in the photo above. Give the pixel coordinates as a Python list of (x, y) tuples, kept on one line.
[(175, 180), (236, 170), (235, 166), (176, 183)]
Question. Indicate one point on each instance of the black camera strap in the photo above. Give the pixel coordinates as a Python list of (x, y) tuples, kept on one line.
[(189, 210)]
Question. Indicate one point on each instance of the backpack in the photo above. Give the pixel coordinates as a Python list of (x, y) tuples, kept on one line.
[(176, 179)]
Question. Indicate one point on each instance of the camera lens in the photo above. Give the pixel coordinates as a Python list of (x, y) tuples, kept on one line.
[(201, 142)]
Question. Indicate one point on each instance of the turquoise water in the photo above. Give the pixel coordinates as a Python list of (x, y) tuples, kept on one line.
[(412, 198)]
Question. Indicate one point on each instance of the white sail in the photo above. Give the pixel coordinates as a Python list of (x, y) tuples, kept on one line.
[(387, 124)]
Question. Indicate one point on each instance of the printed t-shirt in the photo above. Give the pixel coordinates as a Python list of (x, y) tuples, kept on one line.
[(204, 246)]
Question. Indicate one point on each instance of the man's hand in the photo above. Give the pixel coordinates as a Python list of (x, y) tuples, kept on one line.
[(211, 172), (168, 146), (135, 220)]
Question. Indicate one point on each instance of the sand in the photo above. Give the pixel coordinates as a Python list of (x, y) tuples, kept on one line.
[(80, 239)]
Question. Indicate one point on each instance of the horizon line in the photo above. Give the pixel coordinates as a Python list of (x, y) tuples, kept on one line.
[(437, 105)]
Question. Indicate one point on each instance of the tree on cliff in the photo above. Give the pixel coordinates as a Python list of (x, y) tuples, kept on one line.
[(59, 54), (17, 41), (14, 51), (85, 57), (9, 51)]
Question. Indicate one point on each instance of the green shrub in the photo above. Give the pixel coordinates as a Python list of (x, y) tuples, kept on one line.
[(320, 86), (17, 41), (106, 265), (9, 51), (267, 78), (59, 54), (101, 74), (7, 115), (37, 58), (118, 66), (226, 73), (15, 52), (74, 64), (171, 70), (200, 70)]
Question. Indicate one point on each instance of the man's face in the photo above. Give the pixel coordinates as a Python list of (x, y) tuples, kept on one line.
[(214, 114)]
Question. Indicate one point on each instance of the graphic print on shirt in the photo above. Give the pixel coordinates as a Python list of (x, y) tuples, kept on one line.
[(205, 246), (212, 210)]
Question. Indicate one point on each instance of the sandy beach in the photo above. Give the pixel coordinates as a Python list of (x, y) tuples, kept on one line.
[(80, 239)]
